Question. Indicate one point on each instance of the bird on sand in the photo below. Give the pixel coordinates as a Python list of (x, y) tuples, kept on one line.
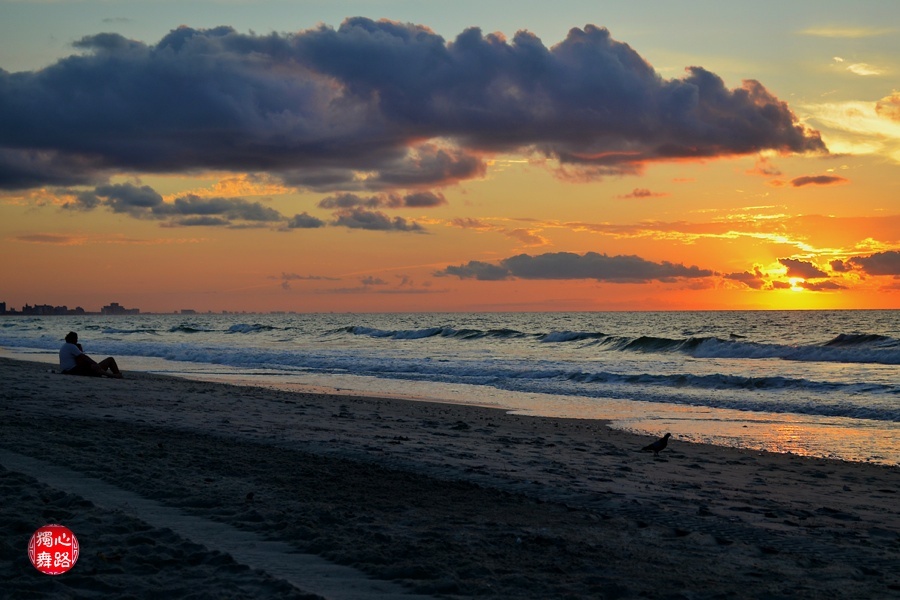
[(658, 445)]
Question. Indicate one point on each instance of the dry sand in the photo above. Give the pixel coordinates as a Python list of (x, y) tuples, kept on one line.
[(443, 500)]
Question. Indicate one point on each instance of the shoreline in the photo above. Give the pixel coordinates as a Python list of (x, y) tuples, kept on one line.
[(814, 436), (455, 500)]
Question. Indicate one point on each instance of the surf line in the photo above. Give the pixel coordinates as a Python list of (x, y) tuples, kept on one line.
[(307, 572)]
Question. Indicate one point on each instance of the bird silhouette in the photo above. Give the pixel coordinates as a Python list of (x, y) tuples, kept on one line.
[(658, 445)]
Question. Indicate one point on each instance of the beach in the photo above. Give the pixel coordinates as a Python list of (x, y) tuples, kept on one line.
[(440, 500)]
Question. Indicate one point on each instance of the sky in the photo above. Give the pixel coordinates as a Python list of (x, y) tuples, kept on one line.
[(393, 155)]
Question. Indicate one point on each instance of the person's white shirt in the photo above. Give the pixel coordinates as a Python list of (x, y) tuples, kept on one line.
[(68, 355)]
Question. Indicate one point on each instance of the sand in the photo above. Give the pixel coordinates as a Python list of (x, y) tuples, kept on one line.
[(166, 482)]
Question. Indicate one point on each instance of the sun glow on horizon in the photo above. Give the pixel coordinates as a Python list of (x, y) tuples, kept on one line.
[(796, 284)]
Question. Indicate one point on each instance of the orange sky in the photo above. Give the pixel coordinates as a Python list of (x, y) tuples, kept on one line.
[(519, 226)]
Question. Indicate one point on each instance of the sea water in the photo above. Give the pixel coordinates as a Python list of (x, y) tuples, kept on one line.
[(816, 383)]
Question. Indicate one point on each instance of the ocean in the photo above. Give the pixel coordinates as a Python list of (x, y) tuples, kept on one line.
[(813, 383)]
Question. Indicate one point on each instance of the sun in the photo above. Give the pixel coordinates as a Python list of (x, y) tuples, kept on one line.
[(796, 284)]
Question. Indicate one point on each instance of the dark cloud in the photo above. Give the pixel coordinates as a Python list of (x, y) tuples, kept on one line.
[(138, 201), (818, 180), (345, 201), (623, 269), (476, 269), (143, 202), (881, 263), (23, 168), (350, 210), (359, 218), (369, 280), (820, 286), (802, 269), (839, 266), (414, 200), (424, 200), (567, 265), (233, 209), (369, 106), (423, 165), (305, 221), (754, 280), (204, 221)]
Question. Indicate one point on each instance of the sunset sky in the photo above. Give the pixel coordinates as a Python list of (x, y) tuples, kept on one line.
[(424, 155)]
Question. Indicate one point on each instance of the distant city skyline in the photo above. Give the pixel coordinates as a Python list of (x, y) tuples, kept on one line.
[(396, 156), (113, 308)]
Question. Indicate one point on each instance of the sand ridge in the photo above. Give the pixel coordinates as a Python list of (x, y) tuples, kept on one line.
[(458, 501)]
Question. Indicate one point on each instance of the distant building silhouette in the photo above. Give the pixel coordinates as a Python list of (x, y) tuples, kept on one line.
[(114, 308), (41, 310)]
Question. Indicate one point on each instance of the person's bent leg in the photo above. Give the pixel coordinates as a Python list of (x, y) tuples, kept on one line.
[(110, 363)]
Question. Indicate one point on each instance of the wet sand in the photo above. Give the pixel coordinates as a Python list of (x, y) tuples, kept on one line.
[(441, 500)]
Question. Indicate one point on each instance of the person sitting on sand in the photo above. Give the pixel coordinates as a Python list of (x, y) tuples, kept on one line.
[(73, 361)]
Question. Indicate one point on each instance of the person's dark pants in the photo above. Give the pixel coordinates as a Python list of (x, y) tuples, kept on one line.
[(83, 370)]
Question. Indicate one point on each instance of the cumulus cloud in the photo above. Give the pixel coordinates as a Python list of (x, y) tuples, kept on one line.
[(144, 202), (305, 221), (425, 199), (369, 106), (755, 280), (839, 266), (803, 269), (567, 265), (189, 210), (881, 263), (476, 269), (360, 218)]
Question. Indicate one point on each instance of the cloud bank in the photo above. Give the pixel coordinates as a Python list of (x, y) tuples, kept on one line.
[(369, 106), (567, 265), (350, 211)]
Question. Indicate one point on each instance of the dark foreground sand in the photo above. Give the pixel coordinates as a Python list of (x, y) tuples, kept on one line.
[(445, 500)]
